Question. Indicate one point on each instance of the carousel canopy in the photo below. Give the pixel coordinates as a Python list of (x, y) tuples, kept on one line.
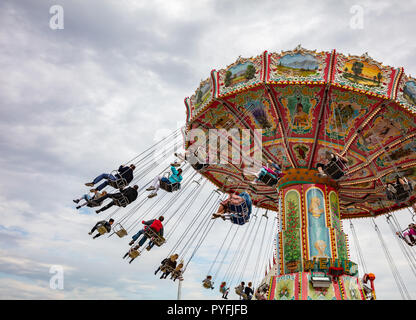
[(309, 103)]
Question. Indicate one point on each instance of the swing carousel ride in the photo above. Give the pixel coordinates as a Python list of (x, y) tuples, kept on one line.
[(308, 105)]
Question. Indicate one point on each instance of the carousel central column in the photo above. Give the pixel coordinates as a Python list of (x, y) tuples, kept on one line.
[(313, 250)]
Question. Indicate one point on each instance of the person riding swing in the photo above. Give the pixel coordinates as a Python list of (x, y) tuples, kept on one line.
[(119, 180), (102, 227), (236, 208), (334, 168), (400, 190), (120, 199), (168, 184)]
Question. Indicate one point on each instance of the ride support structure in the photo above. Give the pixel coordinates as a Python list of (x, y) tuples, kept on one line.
[(313, 255)]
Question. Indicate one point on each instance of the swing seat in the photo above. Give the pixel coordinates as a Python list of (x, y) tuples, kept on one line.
[(101, 230), (166, 269), (241, 213), (401, 194), (199, 166), (170, 187), (93, 203), (134, 254), (335, 169), (207, 285), (121, 201), (121, 232), (176, 274), (118, 184), (269, 179), (154, 237), (241, 294), (158, 241), (412, 240), (241, 209)]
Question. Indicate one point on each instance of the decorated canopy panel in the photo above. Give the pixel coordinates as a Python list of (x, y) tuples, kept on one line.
[(307, 104)]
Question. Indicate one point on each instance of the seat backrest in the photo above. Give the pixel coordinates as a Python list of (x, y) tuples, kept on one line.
[(268, 179), (240, 220), (401, 194), (93, 203), (155, 238), (175, 186), (118, 184), (240, 208), (101, 229), (121, 233), (166, 268), (158, 240), (134, 253), (121, 201), (333, 169)]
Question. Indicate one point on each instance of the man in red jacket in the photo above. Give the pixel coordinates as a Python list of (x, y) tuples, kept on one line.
[(155, 225)]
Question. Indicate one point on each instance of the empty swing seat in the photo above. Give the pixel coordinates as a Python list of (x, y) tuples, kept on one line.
[(120, 231)]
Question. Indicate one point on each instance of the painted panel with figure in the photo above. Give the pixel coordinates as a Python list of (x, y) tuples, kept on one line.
[(318, 234)]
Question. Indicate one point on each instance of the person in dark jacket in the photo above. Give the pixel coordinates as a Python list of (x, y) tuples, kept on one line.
[(248, 291), (130, 194), (154, 224), (165, 261), (239, 290), (125, 172), (333, 159), (103, 223), (169, 266)]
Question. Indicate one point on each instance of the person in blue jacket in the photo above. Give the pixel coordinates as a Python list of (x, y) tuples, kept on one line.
[(175, 177)]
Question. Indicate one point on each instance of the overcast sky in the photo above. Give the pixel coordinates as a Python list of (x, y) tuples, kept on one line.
[(81, 100)]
